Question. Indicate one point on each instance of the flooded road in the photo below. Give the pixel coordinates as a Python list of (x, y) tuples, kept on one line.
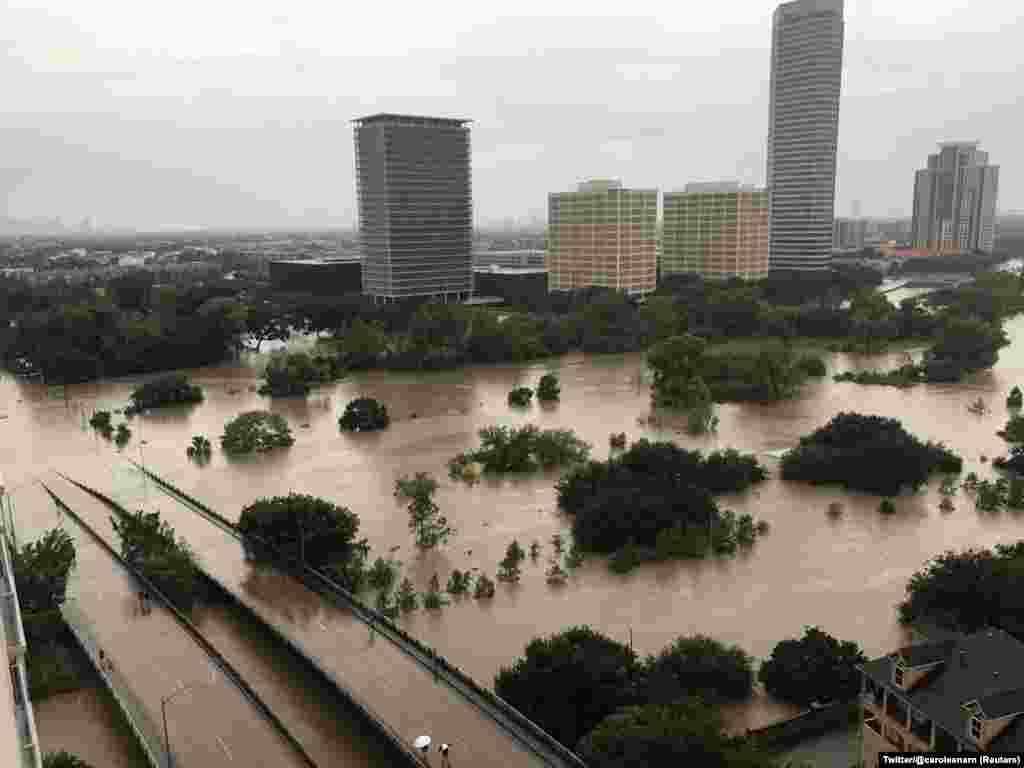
[(211, 723), (86, 723), (845, 574)]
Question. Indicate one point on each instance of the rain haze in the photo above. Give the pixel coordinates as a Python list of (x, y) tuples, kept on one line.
[(231, 114)]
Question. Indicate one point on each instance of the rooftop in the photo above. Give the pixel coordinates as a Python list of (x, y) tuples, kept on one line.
[(499, 270), (388, 117), (319, 262), (987, 667)]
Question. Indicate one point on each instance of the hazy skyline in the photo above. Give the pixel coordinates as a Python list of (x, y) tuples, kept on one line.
[(238, 114)]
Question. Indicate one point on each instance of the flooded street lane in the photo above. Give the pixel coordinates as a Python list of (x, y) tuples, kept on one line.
[(212, 724), (400, 691), (845, 575)]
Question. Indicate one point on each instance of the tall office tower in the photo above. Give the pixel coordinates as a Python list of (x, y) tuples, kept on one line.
[(807, 73), (415, 206), (849, 234), (717, 231), (603, 235), (955, 200)]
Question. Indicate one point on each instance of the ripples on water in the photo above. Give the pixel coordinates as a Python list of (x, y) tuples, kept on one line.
[(844, 574)]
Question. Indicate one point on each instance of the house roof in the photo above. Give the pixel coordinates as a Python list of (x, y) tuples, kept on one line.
[(926, 653), (987, 666)]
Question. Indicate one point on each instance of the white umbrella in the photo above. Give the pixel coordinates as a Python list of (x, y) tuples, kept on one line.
[(422, 742)]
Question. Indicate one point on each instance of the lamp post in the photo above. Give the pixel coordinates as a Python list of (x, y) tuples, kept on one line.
[(164, 701)]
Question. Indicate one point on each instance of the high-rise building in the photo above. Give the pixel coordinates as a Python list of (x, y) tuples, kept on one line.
[(415, 206), (603, 235), (806, 77), (955, 200), (717, 231)]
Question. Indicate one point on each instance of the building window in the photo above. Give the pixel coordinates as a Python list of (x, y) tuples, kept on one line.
[(897, 675), (976, 728)]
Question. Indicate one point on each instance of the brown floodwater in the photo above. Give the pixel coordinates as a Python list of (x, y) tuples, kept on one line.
[(845, 574), (212, 724), (87, 724)]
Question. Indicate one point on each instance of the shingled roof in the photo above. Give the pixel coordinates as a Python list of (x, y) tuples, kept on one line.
[(987, 667)]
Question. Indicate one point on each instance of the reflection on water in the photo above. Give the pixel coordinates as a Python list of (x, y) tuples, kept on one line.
[(847, 571)]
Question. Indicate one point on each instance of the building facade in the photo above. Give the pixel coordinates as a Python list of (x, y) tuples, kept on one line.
[(413, 184), (516, 285), (955, 201), (806, 78), (955, 693), (716, 231), (324, 277), (514, 259), (603, 235)]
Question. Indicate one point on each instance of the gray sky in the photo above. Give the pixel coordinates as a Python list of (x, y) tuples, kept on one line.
[(232, 113)]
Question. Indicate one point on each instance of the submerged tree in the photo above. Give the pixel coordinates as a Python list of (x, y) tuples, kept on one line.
[(548, 389), (425, 520)]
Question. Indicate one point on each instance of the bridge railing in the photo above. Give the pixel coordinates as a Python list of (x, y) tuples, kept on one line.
[(492, 704), (146, 731), (396, 741), (225, 667)]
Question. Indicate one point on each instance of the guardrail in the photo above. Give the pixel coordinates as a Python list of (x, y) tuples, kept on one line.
[(403, 748), (146, 732), (485, 700), (225, 667)]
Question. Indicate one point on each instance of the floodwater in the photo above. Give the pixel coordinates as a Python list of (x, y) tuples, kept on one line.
[(209, 721), (845, 574), (87, 724)]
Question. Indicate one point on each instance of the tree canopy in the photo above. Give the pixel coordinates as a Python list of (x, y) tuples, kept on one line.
[(170, 389), (867, 453), (364, 414), (41, 570), (290, 374), (568, 682), (687, 732), (63, 759), (698, 666), (968, 590), (255, 431), (815, 667), (149, 544), (521, 449), (299, 527)]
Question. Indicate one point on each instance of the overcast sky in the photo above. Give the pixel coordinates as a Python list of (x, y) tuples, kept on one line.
[(231, 113)]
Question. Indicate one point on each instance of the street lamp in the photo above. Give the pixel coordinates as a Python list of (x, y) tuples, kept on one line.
[(164, 701)]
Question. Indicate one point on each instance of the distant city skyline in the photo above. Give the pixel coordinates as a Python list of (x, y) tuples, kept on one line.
[(168, 119)]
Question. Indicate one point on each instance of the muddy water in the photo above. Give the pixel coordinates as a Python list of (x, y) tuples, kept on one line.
[(845, 574), (212, 724), (87, 724)]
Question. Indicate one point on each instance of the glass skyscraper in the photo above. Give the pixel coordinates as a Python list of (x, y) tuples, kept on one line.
[(806, 77)]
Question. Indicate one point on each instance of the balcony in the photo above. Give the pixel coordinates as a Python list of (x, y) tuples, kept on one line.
[(891, 723)]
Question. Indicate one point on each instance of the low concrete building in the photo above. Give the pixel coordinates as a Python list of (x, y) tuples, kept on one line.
[(516, 285), (325, 277)]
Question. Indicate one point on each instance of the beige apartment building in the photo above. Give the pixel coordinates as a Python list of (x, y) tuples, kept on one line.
[(603, 235), (717, 230)]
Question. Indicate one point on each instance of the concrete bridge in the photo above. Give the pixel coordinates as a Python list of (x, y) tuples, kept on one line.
[(404, 688), (185, 704)]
